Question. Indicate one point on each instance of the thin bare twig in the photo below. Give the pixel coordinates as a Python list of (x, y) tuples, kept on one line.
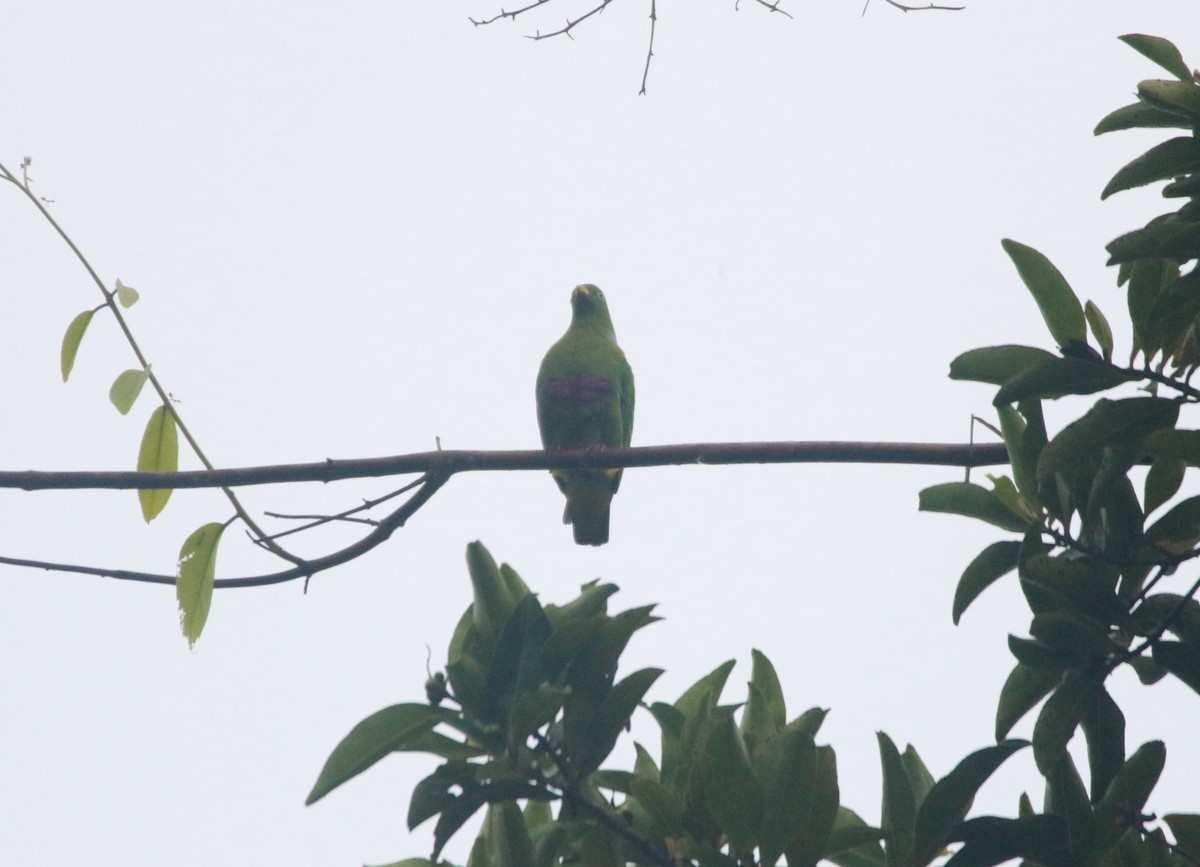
[(110, 302), (650, 50), (388, 525), (566, 29), (905, 8), (773, 5), (318, 520), (513, 15)]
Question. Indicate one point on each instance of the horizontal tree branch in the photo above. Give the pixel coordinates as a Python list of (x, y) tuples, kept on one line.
[(448, 462)]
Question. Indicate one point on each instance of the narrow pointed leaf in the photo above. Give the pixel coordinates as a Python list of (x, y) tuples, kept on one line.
[(1023, 689), (1101, 330), (899, 812), (1159, 50), (853, 843), (993, 562), (971, 501), (947, 803), (997, 364), (1060, 716), (1139, 115), (1174, 97), (195, 572), (732, 791), (1104, 727), (383, 732), (1060, 377), (1173, 158), (1181, 444), (71, 341), (787, 793), (159, 453), (126, 388), (1163, 481), (1180, 659), (1056, 300), (1185, 828), (990, 840)]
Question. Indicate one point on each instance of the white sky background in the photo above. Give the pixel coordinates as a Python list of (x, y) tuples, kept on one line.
[(356, 230)]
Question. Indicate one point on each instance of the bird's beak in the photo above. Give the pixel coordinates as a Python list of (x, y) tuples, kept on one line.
[(580, 290)]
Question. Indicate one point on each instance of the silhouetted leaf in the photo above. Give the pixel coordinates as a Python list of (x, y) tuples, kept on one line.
[(1170, 159), (1161, 51), (1056, 300), (972, 501), (997, 364)]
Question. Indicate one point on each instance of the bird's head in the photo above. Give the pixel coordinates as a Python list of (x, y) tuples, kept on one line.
[(589, 308)]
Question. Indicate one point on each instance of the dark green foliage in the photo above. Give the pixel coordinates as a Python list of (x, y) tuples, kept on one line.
[(530, 705)]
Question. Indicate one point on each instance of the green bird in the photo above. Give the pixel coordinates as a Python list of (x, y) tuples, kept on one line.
[(585, 400)]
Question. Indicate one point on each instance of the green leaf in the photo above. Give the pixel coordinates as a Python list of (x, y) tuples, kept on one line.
[(922, 781), (1024, 431), (1023, 689), (159, 453), (899, 813), (1066, 797), (1082, 638), (1107, 423), (1160, 51), (1056, 300), (1186, 830), (1167, 236), (126, 388), (493, 604), (997, 364), (1060, 716), (990, 840), (1100, 329), (1181, 615), (127, 296), (463, 807), (1060, 377), (1175, 97), (993, 562), (507, 835), (594, 741), (1086, 587), (733, 794), (1183, 445), (1170, 159), (1035, 654), (1104, 727), (383, 732), (947, 803), (1178, 530), (971, 501), (763, 676), (1163, 480), (1140, 116), (815, 832), (1129, 791), (661, 806), (787, 794), (71, 340), (1180, 659), (194, 575), (853, 843)]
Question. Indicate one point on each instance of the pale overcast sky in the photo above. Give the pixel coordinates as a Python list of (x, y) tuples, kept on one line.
[(355, 230)]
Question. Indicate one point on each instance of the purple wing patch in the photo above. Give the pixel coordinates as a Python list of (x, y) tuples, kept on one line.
[(580, 389)]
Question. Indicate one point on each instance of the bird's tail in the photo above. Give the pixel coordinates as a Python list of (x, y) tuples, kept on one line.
[(588, 500)]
